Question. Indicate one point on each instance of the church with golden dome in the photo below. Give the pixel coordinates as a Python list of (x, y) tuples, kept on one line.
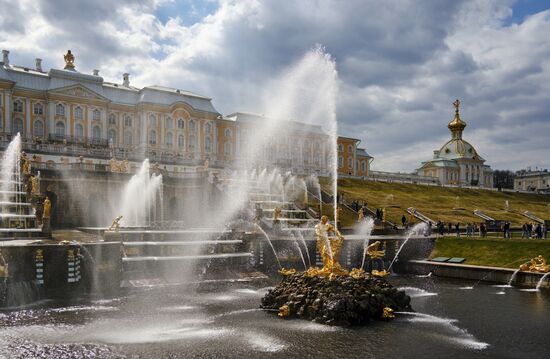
[(457, 161)]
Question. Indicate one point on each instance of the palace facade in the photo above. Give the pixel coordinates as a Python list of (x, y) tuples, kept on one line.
[(65, 116), (457, 161)]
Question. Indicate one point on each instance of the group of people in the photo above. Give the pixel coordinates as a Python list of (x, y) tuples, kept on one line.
[(530, 230), (471, 229)]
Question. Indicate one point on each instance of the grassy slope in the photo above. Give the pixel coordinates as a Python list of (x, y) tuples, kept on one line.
[(439, 202), (491, 252)]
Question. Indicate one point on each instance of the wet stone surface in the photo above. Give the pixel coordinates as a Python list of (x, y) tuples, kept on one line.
[(342, 301)]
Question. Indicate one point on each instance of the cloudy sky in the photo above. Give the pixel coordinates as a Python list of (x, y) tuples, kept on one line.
[(400, 63)]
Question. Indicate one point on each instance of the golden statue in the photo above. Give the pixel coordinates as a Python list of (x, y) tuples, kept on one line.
[(284, 311), (3, 266), (360, 215), (387, 313), (276, 214), (47, 209), (69, 60), (287, 272), (537, 264), (35, 186), (115, 226), (375, 254), (329, 247), (25, 164), (357, 273)]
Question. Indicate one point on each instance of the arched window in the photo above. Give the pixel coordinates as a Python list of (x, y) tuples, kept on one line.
[(18, 106), (78, 113), (227, 148), (60, 109), (112, 119), (350, 149), (340, 161), (192, 141), (96, 115), (79, 131), (207, 145), (168, 140), (96, 133), (60, 129), (168, 123), (18, 126), (208, 128), (111, 136), (181, 141), (153, 121), (181, 123), (128, 138), (340, 147), (38, 128), (153, 137), (227, 132), (127, 121), (192, 126), (38, 109)]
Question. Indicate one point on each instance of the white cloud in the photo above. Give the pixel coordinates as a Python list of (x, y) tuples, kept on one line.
[(401, 63)]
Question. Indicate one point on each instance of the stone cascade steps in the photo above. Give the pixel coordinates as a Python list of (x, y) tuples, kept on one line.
[(483, 216), (420, 216)]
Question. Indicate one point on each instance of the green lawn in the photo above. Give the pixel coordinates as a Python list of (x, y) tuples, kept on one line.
[(508, 253), (442, 203)]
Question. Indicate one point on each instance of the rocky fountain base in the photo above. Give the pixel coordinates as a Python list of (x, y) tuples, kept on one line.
[(335, 300)]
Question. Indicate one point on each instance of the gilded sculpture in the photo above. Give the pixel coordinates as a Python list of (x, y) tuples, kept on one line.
[(35, 185), (47, 209), (329, 247), (375, 255), (25, 164), (537, 264), (277, 214), (115, 226), (69, 60)]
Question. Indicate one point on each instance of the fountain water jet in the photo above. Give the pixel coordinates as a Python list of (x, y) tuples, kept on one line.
[(417, 229)]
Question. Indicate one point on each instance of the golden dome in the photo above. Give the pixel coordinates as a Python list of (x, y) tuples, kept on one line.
[(457, 125)]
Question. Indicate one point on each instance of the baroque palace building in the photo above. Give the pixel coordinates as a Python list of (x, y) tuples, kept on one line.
[(65, 116), (457, 161)]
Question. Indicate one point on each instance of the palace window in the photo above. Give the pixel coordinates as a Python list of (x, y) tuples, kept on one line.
[(350, 162), (18, 126), (192, 126), (127, 121), (192, 141), (227, 149), (181, 141), (60, 109), (153, 137), (18, 106), (208, 128), (207, 145), (340, 147), (364, 166), (227, 132), (169, 140), (181, 123), (350, 149), (38, 109), (79, 131), (153, 121), (38, 128), (1, 120), (340, 161), (111, 136), (128, 138), (78, 113), (169, 123), (60, 129), (96, 115), (112, 119), (96, 133)]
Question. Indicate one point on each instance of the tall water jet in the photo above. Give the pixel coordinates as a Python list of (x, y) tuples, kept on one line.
[(10, 167), (139, 197), (417, 229), (366, 228)]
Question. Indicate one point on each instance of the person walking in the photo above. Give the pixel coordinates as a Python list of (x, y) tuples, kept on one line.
[(457, 228), (403, 220), (450, 227)]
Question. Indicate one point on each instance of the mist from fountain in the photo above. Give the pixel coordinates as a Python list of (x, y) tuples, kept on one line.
[(10, 167), (417, 230), (139, 197)]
